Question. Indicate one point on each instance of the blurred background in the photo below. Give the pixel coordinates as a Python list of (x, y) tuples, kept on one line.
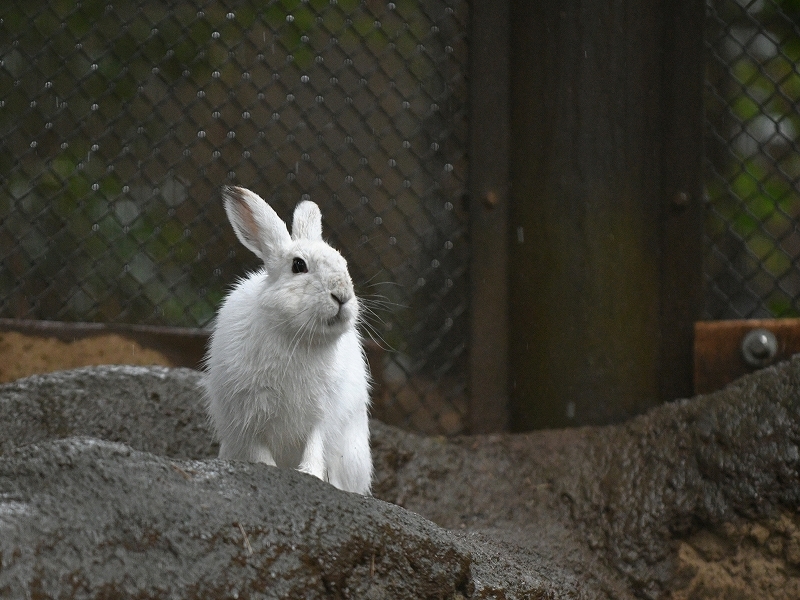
[(120, 123)]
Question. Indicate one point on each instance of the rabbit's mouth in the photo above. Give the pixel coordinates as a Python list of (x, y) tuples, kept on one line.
[(334, 320), (340, 319)]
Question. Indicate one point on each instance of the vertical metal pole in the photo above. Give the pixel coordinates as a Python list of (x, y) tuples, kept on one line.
[(682, 194), (488, 186)]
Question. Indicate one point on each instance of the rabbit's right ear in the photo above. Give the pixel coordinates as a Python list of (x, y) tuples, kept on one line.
[(256, 225), (307, 222)]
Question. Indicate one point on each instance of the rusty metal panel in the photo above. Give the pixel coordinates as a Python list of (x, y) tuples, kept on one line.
[(718, 351)]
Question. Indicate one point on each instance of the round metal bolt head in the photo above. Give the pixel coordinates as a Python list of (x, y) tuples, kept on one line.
[(759, 347)]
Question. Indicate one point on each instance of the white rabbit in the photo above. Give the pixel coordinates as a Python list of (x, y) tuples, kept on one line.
[(286, 375)]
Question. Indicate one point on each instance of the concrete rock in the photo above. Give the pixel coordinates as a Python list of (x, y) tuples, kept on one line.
[(85, 518), (623, 496), (596, 512), (153, 409)]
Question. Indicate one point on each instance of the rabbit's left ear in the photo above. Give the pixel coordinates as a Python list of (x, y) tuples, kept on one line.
[(256, 225), (307, 222)]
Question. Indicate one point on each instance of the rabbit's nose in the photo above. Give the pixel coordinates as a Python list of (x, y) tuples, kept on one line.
[(340, 298)]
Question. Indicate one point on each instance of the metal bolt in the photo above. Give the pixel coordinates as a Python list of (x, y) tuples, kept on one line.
[(680, 200), (490, 199), (759, 347)]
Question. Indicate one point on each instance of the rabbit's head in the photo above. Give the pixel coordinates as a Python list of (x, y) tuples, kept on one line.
[(308, 294)]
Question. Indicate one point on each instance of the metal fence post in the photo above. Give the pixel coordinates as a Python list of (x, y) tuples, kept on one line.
[(681, 186), (488, 188), (605, 100)]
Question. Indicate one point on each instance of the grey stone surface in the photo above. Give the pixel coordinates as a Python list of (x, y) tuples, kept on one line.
[(595, 512), (92, 505), (619, 496), (154, 409), (85, 518)]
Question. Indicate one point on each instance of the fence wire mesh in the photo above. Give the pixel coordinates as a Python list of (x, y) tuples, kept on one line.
[(120, 123), (752, 262)]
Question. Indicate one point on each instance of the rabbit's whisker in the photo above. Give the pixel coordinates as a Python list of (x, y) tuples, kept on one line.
[(372, 332), (382, 302), (368, 281), (373, 314)]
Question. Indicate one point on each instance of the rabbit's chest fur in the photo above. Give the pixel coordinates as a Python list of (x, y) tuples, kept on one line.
[(268, 388)]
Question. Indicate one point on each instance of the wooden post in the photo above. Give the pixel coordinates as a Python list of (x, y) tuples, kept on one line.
[(606, 213)]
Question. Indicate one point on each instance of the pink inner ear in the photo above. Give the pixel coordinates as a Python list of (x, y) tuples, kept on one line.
[(247, 214)]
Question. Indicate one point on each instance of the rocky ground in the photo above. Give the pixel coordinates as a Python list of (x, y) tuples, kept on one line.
[(108, 487)]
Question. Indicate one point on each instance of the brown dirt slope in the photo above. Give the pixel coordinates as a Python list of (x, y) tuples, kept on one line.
[(22, 355)]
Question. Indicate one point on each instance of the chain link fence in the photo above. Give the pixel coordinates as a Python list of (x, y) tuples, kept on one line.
[(120, 123), (752, 147)]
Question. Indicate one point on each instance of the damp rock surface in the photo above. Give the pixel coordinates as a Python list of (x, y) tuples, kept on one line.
[(634, 497), (108, 486), (81, 517), (153, 409)]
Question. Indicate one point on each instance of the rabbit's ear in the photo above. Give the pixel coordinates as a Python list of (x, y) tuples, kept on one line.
[(307, 222), (256, 225)]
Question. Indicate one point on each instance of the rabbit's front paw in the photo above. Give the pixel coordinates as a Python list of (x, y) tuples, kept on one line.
[(313, 461)]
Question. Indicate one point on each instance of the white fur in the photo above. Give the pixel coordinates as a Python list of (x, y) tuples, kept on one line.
[(286, 375)]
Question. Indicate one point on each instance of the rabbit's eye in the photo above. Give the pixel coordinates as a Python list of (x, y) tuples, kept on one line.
[(299, 266)]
